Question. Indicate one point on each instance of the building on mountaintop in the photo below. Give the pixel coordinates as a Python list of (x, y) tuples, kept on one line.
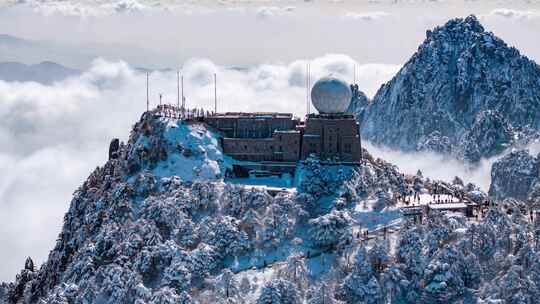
[(330, 135)]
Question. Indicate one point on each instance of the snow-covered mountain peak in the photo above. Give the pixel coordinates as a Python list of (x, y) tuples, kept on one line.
[(459, 72), (174, 147)]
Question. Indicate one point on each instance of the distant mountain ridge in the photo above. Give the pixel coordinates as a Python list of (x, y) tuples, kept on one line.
[(465, 92), (45, 72)]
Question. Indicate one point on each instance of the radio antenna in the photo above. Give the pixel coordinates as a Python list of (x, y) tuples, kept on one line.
[(354, 74), (147, 95), (178, 88), (215, 93), (309, 88), (183, 98)]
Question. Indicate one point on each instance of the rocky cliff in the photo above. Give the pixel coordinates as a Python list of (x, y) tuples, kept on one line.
[(516, 176)]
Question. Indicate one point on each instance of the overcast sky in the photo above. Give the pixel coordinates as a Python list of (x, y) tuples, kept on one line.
[(51, 137)]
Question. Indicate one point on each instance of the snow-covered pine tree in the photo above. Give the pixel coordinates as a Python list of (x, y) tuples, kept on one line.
[(279, 291), (329, 229)]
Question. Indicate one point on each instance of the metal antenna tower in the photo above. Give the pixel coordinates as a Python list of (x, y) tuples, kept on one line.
[(147, 95)]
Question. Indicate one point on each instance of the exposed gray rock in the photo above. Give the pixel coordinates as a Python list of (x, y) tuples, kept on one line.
[(489, 135), (514, 176), (464, 92), (359, 102), (113, 148)]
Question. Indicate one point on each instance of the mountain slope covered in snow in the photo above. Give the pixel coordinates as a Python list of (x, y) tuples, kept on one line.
[(465, 92), (158, 223)]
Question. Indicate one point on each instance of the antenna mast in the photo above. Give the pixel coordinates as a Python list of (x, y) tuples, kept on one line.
[(178, 88), (309, 89), (354, 72), (147, 96), (215, 93), (160, 95), (183, 98)]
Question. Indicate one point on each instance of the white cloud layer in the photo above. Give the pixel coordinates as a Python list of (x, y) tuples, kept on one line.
[(53, 136), (242, 33), (371, 16), (437, 166), (514, 14)]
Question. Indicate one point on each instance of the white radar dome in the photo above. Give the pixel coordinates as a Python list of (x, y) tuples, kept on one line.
[(331, 95)]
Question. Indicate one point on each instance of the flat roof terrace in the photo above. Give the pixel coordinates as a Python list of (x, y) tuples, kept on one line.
[(253, 115), (331, 116)]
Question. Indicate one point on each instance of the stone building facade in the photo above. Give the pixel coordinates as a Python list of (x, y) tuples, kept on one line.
[(279, 137), (282, 146), (251, 125), (331, 136)]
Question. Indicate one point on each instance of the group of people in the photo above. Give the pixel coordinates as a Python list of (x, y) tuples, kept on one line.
[(170, 111), (415, 195), (437, 197)]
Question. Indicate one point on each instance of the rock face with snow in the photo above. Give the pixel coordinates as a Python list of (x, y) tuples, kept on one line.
[(514, 176), (359, 102), (464, 92)]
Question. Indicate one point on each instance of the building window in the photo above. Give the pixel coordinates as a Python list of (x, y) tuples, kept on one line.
[(245, 147), (347, 148)]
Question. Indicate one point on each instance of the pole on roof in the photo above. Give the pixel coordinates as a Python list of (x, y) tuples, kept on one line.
[(309, 88), (147, 95), (160, 95), (215, 93), (354, 74), (183, 98), (178, 88)]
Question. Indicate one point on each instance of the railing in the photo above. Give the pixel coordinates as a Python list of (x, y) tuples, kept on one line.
[(175, 112)]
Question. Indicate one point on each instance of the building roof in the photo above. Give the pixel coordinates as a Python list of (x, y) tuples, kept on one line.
[(263, 115), (287, 131), (448, 206)]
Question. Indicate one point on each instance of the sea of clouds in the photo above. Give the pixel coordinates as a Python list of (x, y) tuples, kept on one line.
[(53, 136), (241, 33)]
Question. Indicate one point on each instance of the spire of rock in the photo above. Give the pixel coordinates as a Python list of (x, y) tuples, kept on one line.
[(29, 264)]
